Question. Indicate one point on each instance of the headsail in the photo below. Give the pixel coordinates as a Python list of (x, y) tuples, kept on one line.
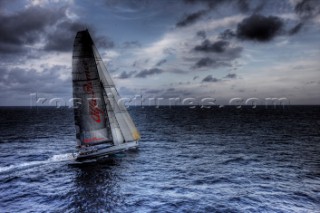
[(120, 120), (90, 117), (100, 117)]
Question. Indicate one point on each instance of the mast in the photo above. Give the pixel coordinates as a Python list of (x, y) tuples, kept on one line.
[(89, 106)]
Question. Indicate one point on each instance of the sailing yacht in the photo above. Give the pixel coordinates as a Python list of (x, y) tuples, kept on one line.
[(103, 124)]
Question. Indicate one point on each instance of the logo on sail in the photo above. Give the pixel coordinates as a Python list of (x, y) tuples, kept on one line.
[(94, 110)]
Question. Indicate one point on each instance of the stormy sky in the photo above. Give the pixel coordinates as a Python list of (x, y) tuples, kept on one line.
[(221, 49)]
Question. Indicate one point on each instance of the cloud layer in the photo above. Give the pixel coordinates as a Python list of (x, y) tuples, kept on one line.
[(187, 47)]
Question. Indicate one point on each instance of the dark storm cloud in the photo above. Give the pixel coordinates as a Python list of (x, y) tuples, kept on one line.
[(209, 78), (34, 24), (202, 34), (209, 62), (178, 71), (148, 72), (61, 39), (307, 8), (27, 81), (205, 62), (296, 29), (7, 48), (259, 28), (191, 18), (243, 5), (25, 27), (264, 28), (161, 62), (125, 75), (231, 76), (216, 54), (4, 3), (221, 48), (207, 46), (227, 34)]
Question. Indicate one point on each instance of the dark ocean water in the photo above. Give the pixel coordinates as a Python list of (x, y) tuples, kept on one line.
[(189, 160)]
